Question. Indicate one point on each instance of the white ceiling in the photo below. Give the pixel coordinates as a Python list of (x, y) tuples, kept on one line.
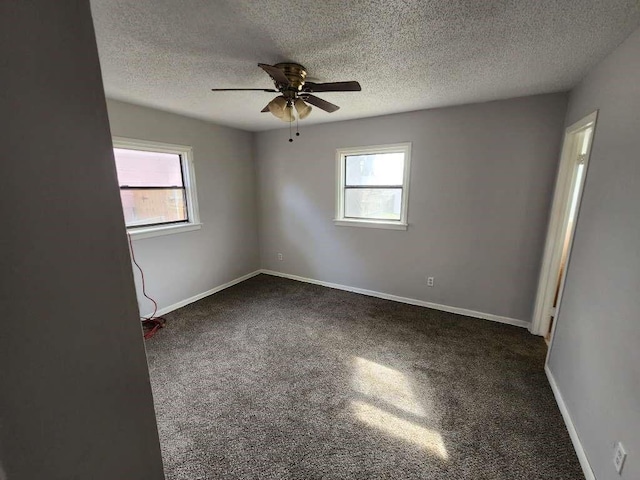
[(407, 54)]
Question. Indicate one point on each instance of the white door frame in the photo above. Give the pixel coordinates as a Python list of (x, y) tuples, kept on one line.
[(558, 223)]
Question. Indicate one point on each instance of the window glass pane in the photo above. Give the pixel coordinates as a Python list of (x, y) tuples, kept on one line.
[(151, 206), (373, 203), (375, 169), (137, 168)]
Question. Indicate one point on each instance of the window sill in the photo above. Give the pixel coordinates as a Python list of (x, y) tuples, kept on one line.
[(371, 224), (148, 232)]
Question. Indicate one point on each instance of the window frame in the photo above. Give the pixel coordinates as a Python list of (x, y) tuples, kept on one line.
[(341, 165), (188, 180)]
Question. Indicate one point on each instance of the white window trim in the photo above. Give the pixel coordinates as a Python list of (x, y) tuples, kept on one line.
[(341, 154), (186, 155)]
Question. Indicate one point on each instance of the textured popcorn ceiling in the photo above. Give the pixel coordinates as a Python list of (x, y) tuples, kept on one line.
[(407, 55)]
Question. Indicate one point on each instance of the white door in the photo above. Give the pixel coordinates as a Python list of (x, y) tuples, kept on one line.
[(564, 214)]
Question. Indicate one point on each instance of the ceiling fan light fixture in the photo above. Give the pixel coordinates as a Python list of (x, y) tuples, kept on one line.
[(288, 115), (302, 108), (277, 107)]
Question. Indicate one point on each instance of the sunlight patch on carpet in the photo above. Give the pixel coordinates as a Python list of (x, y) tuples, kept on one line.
[(422, 437), (387, 384)]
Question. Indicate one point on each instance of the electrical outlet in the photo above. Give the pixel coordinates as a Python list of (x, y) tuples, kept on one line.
[(619, 458), (280, 257), (429, 281)]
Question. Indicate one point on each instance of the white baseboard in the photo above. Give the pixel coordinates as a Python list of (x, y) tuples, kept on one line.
[(410, 301), (195, 298), (577, 445), (362, 291)]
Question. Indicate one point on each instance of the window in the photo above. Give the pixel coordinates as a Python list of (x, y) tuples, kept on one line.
[(373, 186), (157, 187)]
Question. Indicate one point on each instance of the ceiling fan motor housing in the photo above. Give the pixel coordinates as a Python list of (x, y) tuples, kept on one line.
[(296, 74)]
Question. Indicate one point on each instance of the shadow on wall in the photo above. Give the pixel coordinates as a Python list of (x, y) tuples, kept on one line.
[(314, 236)]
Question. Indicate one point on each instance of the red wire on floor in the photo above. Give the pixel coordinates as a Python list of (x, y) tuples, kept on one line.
[(150, 324)]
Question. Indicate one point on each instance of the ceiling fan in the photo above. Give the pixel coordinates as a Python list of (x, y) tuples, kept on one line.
[(289, 80)]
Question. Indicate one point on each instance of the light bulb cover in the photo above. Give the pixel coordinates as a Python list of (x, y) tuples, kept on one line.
[(277, 106), (302, 108)]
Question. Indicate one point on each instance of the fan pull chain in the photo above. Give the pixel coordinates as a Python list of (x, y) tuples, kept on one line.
[(297, 132), (290, 139)]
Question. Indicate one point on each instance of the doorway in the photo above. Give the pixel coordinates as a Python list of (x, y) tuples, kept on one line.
[(564, 214)]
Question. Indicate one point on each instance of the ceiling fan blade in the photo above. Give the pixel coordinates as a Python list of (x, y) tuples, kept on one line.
[(321, 104), (333, 87), (278, 75), (270, 90)]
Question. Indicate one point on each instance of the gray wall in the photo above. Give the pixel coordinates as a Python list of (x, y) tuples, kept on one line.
[(75, 398), (595, 357), (179, 266), (482, 178)]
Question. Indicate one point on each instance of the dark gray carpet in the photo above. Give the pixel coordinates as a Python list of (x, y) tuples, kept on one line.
[(277, 379)]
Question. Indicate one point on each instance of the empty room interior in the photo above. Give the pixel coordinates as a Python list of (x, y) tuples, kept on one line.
[(320, 240)]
